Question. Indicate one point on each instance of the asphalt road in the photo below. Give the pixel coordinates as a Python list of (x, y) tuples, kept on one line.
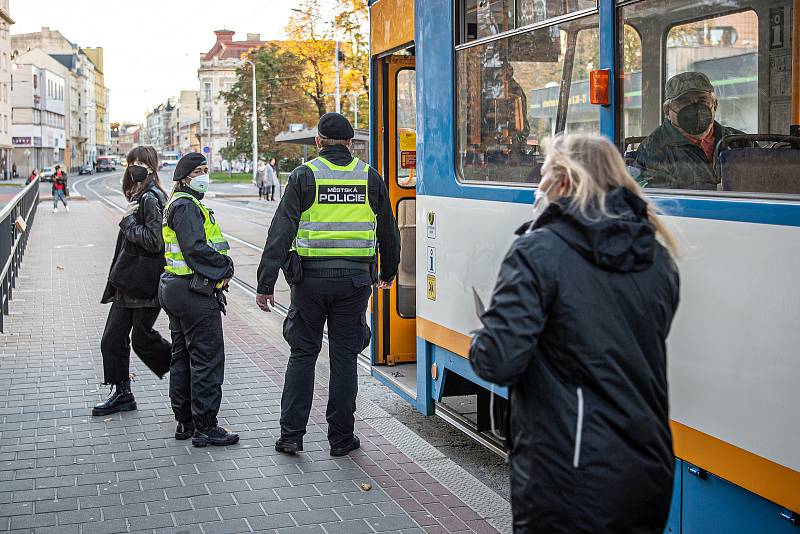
[(247, 219)]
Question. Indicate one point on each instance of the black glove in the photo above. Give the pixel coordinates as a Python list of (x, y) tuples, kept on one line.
[(222, 301)]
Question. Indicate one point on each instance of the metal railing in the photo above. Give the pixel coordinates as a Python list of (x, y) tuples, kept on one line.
[(16, 219)]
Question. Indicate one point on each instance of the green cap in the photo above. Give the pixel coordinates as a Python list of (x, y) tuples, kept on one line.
[(687, 82)]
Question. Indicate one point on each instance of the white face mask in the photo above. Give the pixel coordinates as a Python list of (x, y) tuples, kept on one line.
[(540, 204), (200, 183)]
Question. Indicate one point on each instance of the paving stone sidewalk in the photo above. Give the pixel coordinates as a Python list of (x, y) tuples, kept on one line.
[(63, 471)]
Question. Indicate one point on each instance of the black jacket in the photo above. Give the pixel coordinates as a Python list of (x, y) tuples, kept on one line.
[(667, 159), (186, 220), (577, 328), (299, 196), (144, 229)]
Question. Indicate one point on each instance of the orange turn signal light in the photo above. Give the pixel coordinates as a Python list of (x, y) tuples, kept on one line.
[(598, 87)]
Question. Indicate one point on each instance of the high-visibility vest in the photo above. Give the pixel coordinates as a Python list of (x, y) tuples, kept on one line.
[(176, 263), (340, 223)]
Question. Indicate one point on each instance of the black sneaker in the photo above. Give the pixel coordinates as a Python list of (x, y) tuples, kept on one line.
[(288, 447), (215, 435), (350, 446), (184, 431)]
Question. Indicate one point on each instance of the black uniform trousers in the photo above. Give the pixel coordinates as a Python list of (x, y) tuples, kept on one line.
[(342, 302), (126, 326), (198, 351)]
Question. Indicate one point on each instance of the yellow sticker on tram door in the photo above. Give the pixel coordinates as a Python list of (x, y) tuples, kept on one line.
[(431, 287)]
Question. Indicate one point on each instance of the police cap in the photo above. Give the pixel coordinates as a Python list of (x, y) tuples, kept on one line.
[(687, 82), (335, 126), (187, 164)]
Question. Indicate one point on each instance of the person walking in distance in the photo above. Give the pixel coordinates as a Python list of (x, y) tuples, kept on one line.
[(59, 189), (260, 175), (328, 239), (133, 284), (191, 291), (577, 330), (271, 180)]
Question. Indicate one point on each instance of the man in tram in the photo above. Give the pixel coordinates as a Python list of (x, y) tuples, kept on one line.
[(333, 218), (679, 154)]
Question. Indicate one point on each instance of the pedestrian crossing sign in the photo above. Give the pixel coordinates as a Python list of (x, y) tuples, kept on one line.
[(431, 287)]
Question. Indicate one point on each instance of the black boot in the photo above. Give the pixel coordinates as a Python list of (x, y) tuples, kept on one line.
[(120, 400), (215, 435)]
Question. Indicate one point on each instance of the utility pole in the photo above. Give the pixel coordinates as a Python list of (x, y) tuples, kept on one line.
[(255, 123), (338, 93)]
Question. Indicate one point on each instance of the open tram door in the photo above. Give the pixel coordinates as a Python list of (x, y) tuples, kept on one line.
[(393, 101)]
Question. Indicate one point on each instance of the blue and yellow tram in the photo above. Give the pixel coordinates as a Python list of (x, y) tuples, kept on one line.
[(464, 92)]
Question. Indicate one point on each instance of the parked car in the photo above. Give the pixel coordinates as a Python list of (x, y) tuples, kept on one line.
[(86, 169), (46, 174)]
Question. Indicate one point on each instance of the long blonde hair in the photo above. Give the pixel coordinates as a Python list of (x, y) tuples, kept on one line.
[(590, 166)]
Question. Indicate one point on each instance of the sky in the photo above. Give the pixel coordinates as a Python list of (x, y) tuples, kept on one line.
[(152, 47)]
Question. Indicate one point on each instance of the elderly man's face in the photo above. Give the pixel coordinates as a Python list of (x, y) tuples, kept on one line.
[(693, 113)]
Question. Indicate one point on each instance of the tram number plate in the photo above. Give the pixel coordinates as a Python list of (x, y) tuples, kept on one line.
[(431, 287)]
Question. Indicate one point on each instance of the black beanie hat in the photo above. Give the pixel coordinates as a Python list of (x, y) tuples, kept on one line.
[(335, 126), (187, 164)]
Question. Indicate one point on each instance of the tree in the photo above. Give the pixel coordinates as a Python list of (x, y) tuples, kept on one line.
[(278, 103)]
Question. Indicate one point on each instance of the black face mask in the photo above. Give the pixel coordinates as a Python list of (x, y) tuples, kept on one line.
[(137, 173), (695, 118)]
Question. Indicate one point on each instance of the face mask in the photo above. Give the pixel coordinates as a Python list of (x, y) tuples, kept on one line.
[(695, 118), (199, 183), (138, 173), (540, 204)]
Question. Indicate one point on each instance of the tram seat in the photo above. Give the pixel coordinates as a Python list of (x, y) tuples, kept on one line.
[(763, 163), (408, 235)]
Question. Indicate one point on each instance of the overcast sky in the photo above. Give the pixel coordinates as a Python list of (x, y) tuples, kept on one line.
[(152, 47)]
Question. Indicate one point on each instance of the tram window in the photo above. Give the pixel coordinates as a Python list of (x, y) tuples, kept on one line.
[(509, 97), (484, 18), (406, 128), (742, 48), (407, 270)]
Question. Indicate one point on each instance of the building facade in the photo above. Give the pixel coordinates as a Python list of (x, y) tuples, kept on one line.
[(217, 73), (187, 121), (153, 133), (124, 136), (81, 116), (38, 111), (101, 95), (5, 91)]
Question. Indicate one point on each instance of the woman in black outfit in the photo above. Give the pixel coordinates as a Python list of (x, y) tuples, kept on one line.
[(133, 284)]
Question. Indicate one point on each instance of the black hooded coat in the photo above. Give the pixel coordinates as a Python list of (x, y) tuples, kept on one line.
[(577, 328)]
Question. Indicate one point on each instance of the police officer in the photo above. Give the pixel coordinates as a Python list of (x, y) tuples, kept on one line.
[(334, 216), (197, 270)]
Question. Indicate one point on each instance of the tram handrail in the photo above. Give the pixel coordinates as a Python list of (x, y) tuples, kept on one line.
[(14, 240)]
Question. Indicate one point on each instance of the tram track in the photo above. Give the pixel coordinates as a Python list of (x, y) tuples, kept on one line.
[(448, 414)]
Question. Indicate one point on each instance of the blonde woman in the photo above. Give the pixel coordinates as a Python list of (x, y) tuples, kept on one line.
[(577, 328)]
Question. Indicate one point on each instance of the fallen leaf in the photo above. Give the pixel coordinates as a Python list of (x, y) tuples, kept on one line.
[(366, 487), (60, 267), (108, 419)]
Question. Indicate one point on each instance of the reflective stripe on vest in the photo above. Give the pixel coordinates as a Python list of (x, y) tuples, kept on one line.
[(340, 222), (176, 263)]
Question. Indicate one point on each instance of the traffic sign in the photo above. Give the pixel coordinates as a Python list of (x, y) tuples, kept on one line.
[(206, 149)]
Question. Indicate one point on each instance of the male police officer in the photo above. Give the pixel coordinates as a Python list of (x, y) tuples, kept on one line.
[(334, 212)]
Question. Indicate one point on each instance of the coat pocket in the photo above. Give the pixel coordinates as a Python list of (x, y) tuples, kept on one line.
[(576, 457)]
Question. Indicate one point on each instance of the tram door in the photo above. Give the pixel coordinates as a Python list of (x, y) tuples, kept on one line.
[(396, 308)]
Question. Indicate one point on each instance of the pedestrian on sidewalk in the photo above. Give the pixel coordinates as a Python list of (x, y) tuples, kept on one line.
[(32, 177), (328, 240), (191, 291), (260, 176), (576, 329), (59, 189), (271, 180), (132, 287)]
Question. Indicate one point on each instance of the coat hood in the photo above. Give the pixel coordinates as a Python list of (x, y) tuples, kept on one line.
[(624, 242)]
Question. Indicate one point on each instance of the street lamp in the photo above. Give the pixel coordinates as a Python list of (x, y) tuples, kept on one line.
[(255, 123), (337, 93)]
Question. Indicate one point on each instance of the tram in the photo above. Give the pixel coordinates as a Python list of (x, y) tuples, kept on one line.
[(462, 94)]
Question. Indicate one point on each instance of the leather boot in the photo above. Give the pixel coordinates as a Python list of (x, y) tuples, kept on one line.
[(120, 400)]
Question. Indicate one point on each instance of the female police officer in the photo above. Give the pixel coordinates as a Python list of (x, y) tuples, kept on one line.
[(197, 270)]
